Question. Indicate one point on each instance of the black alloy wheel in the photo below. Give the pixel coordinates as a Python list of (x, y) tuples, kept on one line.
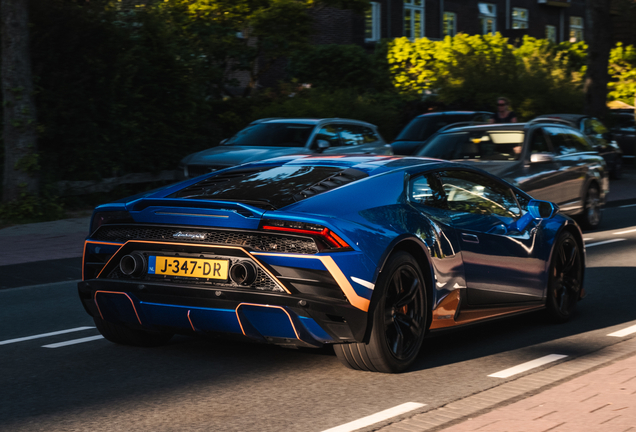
[(399, 320), (591, 217), (565, 279)]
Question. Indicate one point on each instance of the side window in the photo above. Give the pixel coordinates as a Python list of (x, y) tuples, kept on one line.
[(561, 142), (427, 190), (579, 141), (474, 193), (369, 136), (328, 133), (538, 142), (353, 135), (597, 128)]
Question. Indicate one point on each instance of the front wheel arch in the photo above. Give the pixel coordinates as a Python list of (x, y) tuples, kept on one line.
[(418, 251)]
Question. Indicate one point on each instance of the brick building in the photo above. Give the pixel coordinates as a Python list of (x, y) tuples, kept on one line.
[(558, 20)]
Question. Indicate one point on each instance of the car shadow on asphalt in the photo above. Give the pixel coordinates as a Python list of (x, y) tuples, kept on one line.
[(607, 304)]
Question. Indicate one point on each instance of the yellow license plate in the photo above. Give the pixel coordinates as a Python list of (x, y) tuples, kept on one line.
[(189, 267)]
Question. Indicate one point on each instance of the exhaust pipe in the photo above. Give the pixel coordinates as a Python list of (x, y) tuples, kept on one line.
[(133, 264), (243, 273)]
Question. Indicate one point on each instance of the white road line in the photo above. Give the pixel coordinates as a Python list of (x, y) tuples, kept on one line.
[(624, 332), (603, 242), (376, 418), (625, 232), (628, 205), (73, 342), (43, 335), (527, 366)]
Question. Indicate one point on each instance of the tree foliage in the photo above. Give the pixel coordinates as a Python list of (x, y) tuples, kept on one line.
[(472, 71)]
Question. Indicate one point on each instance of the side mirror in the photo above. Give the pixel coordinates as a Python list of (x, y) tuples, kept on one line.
[(541, 157), (542, 209)]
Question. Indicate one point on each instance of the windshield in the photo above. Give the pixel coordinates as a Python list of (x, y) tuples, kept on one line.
[(267, 188), (273, 135), (481, 145), (418, 129)]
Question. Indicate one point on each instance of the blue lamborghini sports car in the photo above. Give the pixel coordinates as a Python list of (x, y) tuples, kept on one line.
[(367, 253)]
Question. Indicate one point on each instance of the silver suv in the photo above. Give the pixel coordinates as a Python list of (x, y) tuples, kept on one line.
[(274, 137)]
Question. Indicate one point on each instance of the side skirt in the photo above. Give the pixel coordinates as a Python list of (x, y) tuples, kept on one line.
[(448, 314)]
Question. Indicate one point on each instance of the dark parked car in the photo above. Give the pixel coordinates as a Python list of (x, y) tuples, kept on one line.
[(623, 129), (422, 127), (268, 138), (551, 162), (600, 136), (364, 253)]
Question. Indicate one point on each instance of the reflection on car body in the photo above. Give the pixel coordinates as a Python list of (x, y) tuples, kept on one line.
[(365, 253), (552, 162)]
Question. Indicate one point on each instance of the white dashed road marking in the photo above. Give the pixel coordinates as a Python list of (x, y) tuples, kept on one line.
[(376, 418), (603, 242), (527, 366), (73, 342), (625, 232), (43, 335), (624, 332)]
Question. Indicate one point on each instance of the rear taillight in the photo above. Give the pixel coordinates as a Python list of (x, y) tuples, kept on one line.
[(327, 238)]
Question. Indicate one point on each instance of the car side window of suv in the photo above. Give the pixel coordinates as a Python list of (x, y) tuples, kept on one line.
[(353, 135), (562, 141), (327, 133), (539, 143), (579, 141)]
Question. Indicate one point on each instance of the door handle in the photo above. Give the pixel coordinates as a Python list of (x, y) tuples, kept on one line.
[(470, 238)]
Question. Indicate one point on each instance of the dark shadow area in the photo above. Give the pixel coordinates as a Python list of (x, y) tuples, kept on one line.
[(40, 272)]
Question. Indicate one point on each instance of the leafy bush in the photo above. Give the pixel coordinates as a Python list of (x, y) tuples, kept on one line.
[(622, 69), (470, 72)]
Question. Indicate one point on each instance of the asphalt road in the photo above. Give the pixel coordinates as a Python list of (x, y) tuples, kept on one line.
[(195, 384)]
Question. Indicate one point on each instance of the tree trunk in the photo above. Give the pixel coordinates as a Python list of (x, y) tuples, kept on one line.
[(598, 35), (20, 139)]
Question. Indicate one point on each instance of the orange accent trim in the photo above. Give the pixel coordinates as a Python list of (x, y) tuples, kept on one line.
[(204, 245), (353, 297), (444, 313), (342, 281), (192, 325), (265, 306), (480, 314), (115, 292)]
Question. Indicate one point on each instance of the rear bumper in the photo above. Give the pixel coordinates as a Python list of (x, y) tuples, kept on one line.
[(267, 317)]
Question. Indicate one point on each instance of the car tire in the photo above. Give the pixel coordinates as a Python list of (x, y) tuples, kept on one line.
[(565, 278), (591, 217), (399, 320), (120, 334)]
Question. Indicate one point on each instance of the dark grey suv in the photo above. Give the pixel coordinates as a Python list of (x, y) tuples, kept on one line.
[(550, 161), (274, 137)]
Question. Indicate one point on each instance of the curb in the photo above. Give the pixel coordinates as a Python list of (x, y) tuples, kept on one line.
[(511, 391)]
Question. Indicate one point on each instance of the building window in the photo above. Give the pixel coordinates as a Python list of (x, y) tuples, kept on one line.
[(450, 24), (372, 22), (519, 18), (550, 33), (414, 18), (488, 18), (576, 29)]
